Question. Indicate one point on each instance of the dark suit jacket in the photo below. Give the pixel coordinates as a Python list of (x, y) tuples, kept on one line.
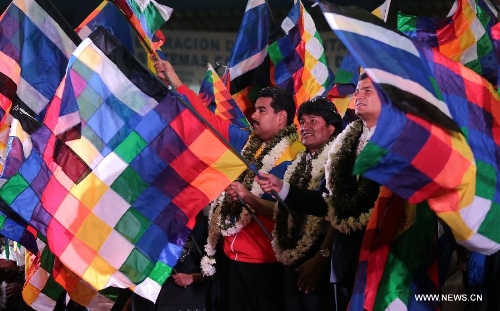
[(309, 202), (345, 248)]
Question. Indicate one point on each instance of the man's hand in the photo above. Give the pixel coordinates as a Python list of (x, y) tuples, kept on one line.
[(13, 289), (236, 189), (269, 182), (162, 67), (183, 279), (310, 273)]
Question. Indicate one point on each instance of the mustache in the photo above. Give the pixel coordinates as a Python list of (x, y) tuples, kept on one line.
[(254, 122)]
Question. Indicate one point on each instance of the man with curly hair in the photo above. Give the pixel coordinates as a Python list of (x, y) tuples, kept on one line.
[(252, 277)]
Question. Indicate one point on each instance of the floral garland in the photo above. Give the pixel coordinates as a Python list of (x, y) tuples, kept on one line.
[(208, 261), (233, 216), (350, 199), (227, 217), (295, 233)]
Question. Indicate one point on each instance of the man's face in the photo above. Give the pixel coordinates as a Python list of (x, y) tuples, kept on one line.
[(265, 122), (367, 102), (314, 131)]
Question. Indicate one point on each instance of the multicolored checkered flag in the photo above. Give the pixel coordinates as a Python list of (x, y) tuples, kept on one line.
[(298, 59), (465, 36), (426, 91), (118, 171), (213, 91)]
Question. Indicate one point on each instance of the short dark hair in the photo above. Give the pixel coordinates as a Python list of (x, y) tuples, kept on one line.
[(322, 107), (363, 76), (282, 100)]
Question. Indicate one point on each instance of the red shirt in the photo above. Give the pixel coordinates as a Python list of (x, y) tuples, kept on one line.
[(251, 244)]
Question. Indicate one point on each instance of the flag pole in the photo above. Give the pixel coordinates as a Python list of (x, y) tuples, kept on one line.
[(277, 31), (225, 76), (173, 90), (271, 13), (249, 210)]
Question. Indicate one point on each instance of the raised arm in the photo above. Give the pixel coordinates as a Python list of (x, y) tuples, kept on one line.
[(221, 125)]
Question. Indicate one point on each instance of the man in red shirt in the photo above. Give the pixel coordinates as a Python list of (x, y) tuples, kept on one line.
[(252, 278)]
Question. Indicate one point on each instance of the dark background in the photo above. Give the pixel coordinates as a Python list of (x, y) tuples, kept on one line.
[(225, 15)]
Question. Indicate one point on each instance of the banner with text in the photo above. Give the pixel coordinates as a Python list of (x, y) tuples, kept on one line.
[(189, 52)]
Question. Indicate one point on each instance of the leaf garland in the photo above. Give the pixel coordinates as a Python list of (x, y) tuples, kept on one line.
[(295, 233), (230, 208), (350, 198)]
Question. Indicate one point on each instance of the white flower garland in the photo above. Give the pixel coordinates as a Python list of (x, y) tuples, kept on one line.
[(208, 261), (351, 223), (312, 226), (233, 227)]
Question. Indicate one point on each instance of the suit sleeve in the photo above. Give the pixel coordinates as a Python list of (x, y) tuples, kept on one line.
[(309, 202)]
